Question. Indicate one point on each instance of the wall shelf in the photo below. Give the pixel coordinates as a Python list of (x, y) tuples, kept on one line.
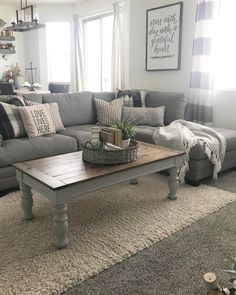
[(7, 51), (7, 38)]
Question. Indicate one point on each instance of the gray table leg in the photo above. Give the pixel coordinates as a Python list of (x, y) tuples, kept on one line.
[(26, 201), (173, 183), (134, 181), (61, 225)]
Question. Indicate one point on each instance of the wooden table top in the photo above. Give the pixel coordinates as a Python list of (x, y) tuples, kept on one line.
[(60, 171)]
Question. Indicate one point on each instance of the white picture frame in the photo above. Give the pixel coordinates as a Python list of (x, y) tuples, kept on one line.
[(163, 37)]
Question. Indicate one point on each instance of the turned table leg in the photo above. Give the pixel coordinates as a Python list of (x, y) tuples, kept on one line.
[(173, 183), (26, 201), (61, 225), (134, 181)]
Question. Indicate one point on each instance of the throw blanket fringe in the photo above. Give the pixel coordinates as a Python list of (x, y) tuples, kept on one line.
[(185, 135)]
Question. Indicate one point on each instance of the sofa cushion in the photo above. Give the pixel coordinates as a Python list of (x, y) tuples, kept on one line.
[(107, 96), (75, 108), (23, 149), (36, 97), (174, 103), (197, 152), (81, 133), (145, 133)]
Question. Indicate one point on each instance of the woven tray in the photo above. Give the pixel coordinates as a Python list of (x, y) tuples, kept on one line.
[(110, 157)]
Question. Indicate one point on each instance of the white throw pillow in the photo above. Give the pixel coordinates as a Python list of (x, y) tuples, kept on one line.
[(109, 112), (37, 120)]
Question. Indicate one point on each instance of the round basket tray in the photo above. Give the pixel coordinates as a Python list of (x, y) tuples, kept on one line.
[(110, 157)]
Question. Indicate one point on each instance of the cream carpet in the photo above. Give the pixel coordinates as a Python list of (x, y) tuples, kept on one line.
[(104, 228)]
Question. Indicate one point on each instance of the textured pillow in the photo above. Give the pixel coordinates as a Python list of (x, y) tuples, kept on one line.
[(108, 112), (54, 109), (11, 125), (37, 120), (144, 116), (54, 112), (138, 96), (17, 101)]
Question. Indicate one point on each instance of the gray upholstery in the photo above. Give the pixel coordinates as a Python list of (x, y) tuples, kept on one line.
[(81, 133), (75, 108), (174, 103), (23, 149), (107, 96), (145, 133), (36, 97), (197, 153)]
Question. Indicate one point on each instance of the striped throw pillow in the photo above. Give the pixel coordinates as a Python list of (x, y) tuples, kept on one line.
[(11, 125), (108, 112)]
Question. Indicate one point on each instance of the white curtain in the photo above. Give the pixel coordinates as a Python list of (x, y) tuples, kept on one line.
[(116, 79), (79, 55), (200, 99)]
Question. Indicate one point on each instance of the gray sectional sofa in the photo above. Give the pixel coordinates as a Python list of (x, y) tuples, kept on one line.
[(79, 115)]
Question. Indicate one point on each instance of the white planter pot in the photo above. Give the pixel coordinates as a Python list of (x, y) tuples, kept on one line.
[(125, 143)]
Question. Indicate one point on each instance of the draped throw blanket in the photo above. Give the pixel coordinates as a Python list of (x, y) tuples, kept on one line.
[(184, 135), (200, 99)]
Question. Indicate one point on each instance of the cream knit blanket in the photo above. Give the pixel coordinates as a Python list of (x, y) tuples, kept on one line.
[(184, 135)]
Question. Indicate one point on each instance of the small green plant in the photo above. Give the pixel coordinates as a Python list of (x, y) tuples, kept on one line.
[(127, 128)]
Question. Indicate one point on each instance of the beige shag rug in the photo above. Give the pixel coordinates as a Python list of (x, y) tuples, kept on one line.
[(105, 227)]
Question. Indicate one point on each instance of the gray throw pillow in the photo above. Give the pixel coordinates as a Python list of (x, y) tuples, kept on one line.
[(144, 116)]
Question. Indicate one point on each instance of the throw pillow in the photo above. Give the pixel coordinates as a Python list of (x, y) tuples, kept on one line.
[(108, 112), (138, 96), (144, 116), (54, 112), (37, 120), (128, 101), (54, 109), (11, 125), (17, 101)]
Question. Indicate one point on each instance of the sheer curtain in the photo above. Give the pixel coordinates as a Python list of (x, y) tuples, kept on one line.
[(116, 79), (200, 98), (79, 54)]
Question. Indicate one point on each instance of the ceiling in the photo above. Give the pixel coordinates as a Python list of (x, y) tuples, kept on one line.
[(17, 2)]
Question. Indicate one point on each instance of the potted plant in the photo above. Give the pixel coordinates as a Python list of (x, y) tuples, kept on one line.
[(128, 131), (231, 262)]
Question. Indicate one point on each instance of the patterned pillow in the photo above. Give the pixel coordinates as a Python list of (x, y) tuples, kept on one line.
[(37, 120), (108, 112), (17, 101), (138, 96), (11, 125), (54, 112)]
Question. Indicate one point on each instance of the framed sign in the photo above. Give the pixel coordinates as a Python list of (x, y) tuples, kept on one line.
[(163, 37)]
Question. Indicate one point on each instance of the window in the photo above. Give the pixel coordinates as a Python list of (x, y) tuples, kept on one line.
[(225, 49), (58, 51), (98, 33)]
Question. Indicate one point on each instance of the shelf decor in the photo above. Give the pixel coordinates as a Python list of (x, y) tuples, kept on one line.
[(26, 19), (163, 37)]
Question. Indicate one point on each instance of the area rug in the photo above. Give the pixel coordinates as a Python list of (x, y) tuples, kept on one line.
[(104, 228)]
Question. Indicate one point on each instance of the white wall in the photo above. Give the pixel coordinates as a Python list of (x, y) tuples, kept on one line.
[(7, 13), (176, 80)]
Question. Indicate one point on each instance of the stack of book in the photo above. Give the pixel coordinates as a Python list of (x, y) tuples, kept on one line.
[(111, 135)]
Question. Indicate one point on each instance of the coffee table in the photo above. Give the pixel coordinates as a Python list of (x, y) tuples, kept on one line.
[(64, 177)]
